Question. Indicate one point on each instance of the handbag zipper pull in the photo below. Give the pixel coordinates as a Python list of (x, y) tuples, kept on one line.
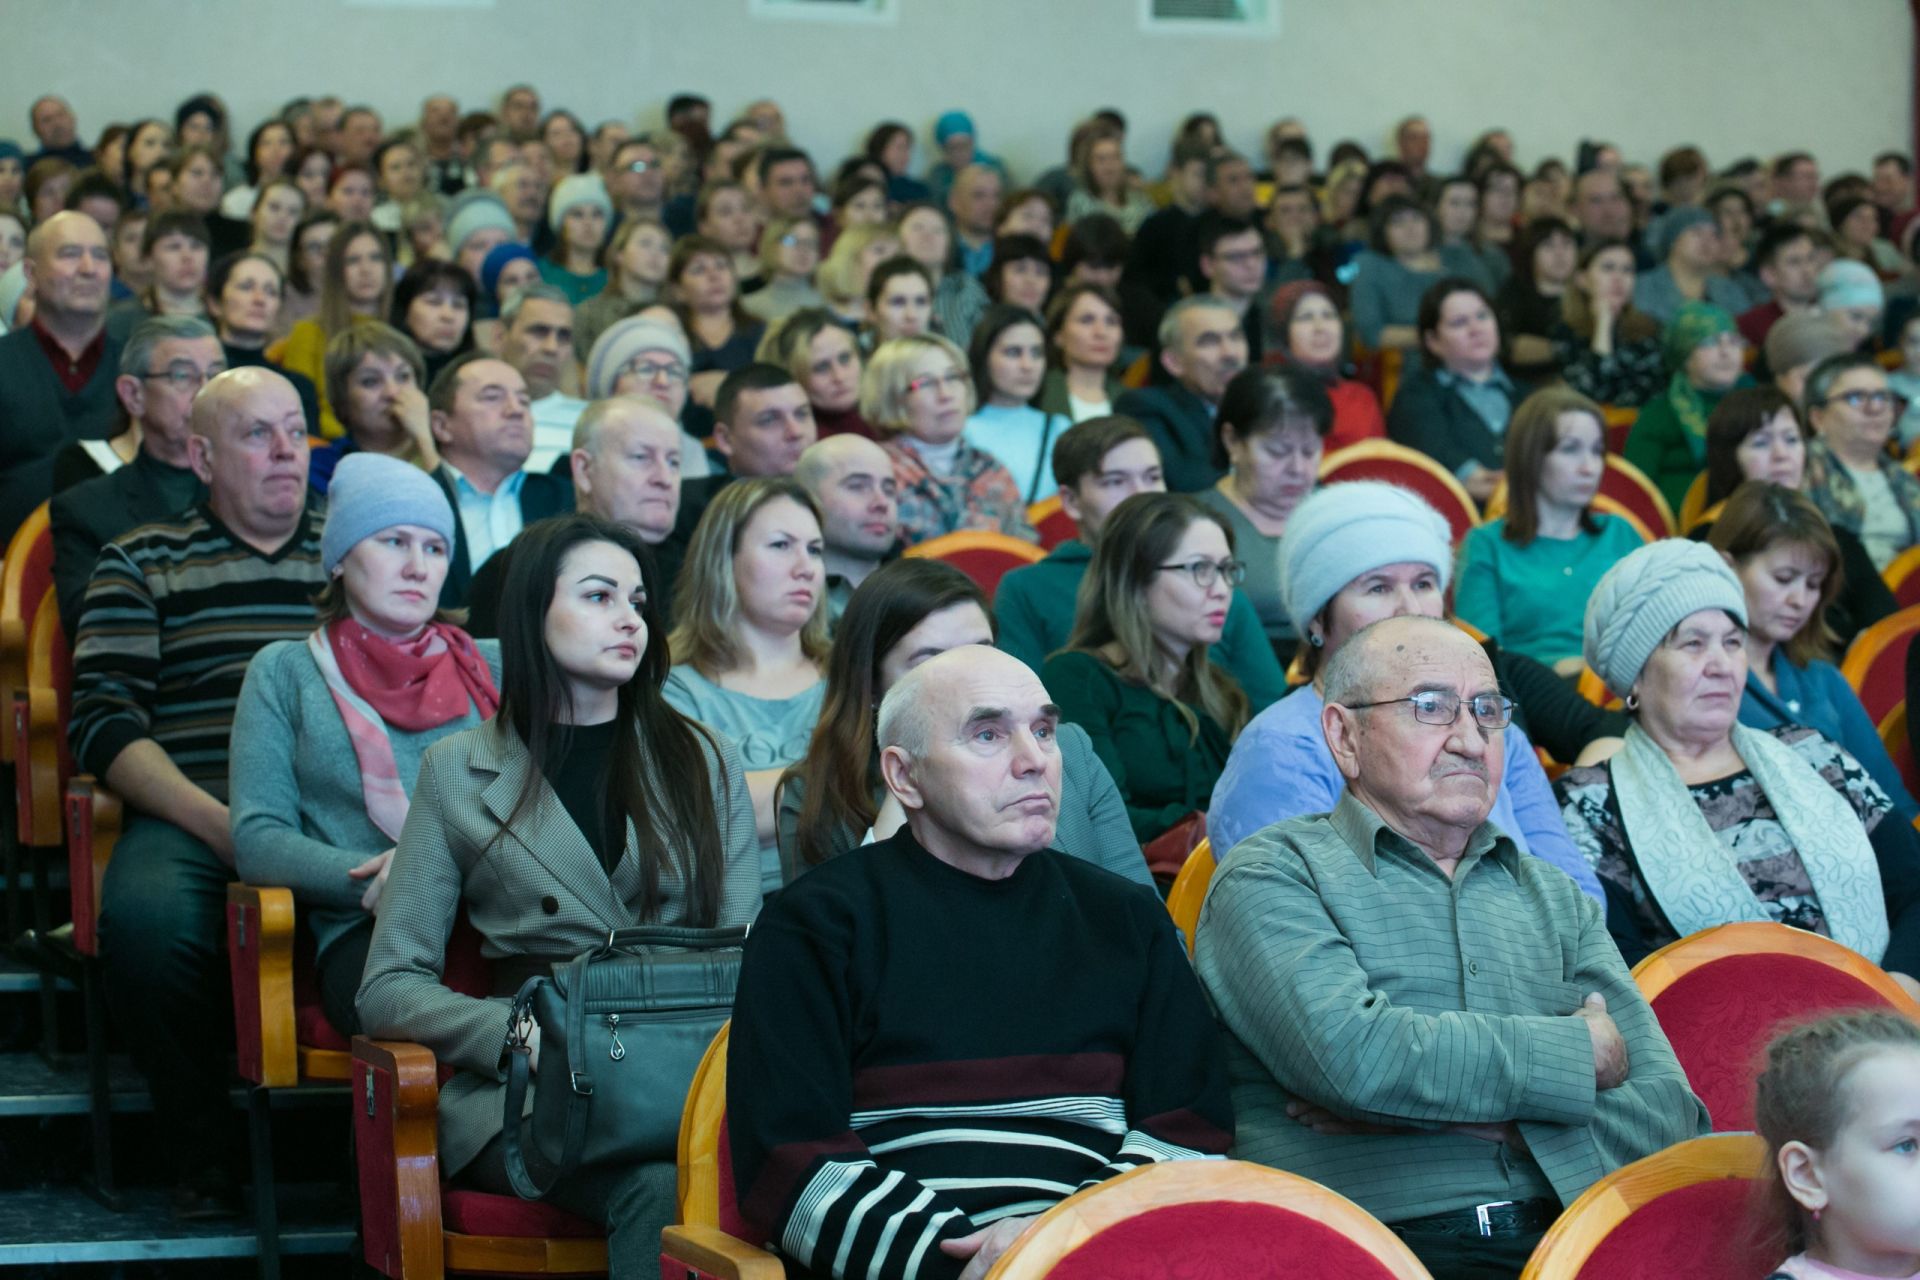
[(618, 1051)]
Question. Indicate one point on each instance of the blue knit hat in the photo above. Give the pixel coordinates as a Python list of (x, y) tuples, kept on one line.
[(10, 150), (370, 492), (1845, 283), (496, 261), (954, 122)]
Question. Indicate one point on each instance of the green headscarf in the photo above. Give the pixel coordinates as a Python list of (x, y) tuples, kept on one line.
[(1695, 324)]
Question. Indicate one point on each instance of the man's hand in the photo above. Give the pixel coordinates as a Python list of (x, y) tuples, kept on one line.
[(374, 872), (1609, 1048), (985, 1246)]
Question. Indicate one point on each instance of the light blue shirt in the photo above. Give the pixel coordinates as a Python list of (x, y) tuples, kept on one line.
[(1281, 768), (490, 520), (1021, 439)]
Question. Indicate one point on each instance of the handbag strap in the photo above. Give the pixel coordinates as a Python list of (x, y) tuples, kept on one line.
[(519, 1071)]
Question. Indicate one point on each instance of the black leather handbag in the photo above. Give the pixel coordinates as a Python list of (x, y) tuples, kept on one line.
[(622, 1031)]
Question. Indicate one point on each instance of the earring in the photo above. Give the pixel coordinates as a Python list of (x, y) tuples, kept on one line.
[(1316, 640), (1632, 702), (1816, 1215)]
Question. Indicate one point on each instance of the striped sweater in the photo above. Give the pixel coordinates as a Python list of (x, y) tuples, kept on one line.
[(174, 612), (917, 1053)]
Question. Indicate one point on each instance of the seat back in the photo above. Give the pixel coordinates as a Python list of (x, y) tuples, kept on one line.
[(1628, 485), (25, 576), (1876, 662), (983, 556), (1612, 507), (1410, 469), (1694, 505), (42, 762), (1051, 521), (1903, 577), (1207, 1218), (1899, 744), (1722, 993), (1619, 420), (706, 1189), (1189, 890), (1687, 1211)]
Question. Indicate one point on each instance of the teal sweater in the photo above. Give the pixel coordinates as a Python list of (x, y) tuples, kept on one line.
[(1532, 598), (1034, 607)]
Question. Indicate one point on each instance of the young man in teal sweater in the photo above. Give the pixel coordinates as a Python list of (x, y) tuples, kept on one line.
[(1099, 464)]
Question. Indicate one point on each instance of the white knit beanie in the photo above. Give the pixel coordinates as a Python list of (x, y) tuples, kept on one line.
[(1646, 595), (1344, 530)]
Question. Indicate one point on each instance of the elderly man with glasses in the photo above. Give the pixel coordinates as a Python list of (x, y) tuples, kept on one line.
[(1421, 1017)]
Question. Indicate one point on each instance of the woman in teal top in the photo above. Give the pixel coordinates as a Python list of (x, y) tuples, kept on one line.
[(1136, 673), (1524, 578)]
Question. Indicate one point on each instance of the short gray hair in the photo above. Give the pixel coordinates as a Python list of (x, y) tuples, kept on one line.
[(1348, 676), (538, 291), (1169, 332), (902, 721), (153, 331)]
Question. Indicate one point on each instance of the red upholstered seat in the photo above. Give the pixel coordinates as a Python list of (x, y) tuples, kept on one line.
[(1222, 1240), (480, 1213), (1876, 663), (1410, 469), (1703, 1232), (311, 1028), (983, 556), (1721, 1015)]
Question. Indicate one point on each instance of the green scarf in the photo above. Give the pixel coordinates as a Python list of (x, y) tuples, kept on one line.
[(1693, 325)]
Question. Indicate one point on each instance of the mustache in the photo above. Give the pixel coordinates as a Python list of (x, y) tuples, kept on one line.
[(1459, 764)]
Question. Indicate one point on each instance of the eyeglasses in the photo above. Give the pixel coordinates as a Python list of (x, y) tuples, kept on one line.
[(955, 381), (1865, 401), (639, 166), (1206, 572), (653, 371), (1437, 706), (792, 241), (183, 376)]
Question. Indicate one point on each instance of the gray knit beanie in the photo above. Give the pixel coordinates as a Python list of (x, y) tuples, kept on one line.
[(1673, 224), (370, 492), (1354, 527), (574, 189), (473, 211), (1646, 595), (625, 340), (1805, 338)]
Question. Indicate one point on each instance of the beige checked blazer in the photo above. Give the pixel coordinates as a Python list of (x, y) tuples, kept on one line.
[(539, 891)]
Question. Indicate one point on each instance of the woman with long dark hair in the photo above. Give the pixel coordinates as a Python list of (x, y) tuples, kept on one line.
[(586, 805), (832, 799)]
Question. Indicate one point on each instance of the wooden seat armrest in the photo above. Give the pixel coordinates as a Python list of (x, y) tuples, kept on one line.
[(398, 1154), (711, 1254), (94, 816), (260, 931)]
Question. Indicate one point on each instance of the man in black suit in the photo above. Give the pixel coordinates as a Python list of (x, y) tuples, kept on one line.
[(166, 361), (481, 415), (1202, 345)]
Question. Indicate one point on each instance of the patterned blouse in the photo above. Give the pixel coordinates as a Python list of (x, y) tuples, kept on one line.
[(1739, 814), (1630, 375), (979, 493)]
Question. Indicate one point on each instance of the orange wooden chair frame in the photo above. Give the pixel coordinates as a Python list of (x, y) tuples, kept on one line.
[(1899, 745), (24, 577), (1618, 421), (1634, 491), (696, 1246), (1694, 506), (1661, 969), (1563, 1252), (1864, 654), (260, 947), (1085, 1214), (427, 1251), (1189, 892), (1467, 513), (41, 765), (1903, 577)]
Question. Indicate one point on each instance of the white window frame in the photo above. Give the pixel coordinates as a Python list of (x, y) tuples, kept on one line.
[(1262, 27)]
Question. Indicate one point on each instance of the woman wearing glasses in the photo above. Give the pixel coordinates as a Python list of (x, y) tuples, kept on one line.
[(1701, 821), (917, 394), (1851, 477), (1354, 554), (1136, 673), (1704, 354)]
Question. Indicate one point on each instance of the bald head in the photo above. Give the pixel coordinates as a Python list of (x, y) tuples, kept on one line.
[(240, 395), (249, 447), (1389, 647), (71, 271), (852, 480), (823, 460)]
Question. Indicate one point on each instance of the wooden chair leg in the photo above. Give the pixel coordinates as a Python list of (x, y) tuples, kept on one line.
[(266, 1209), (99, 1091)]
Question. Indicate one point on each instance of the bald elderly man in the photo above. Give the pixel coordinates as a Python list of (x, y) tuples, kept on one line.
[(851, 478), (171, 617), (938, 1036), (626, 468), (57, 373), (1420, 1016)]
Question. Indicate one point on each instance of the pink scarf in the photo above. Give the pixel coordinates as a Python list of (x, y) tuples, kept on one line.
[(380, 685)]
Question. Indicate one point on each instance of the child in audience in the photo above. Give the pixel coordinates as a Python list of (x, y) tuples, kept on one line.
[(1839, 1106)]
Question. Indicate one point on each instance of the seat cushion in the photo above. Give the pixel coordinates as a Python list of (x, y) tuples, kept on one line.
[(1217, 1241), (1720, 1017), (480, 1213), (1703, 1232), (311, 1028)]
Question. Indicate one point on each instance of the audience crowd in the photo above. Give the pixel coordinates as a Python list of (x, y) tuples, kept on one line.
[(478, 515)]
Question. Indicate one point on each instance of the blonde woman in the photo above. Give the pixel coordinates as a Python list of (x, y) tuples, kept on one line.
[(1136, 673), (749, 640), (789, 255), (822, 356), (843, 277), (917, 394), (356, 286)]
